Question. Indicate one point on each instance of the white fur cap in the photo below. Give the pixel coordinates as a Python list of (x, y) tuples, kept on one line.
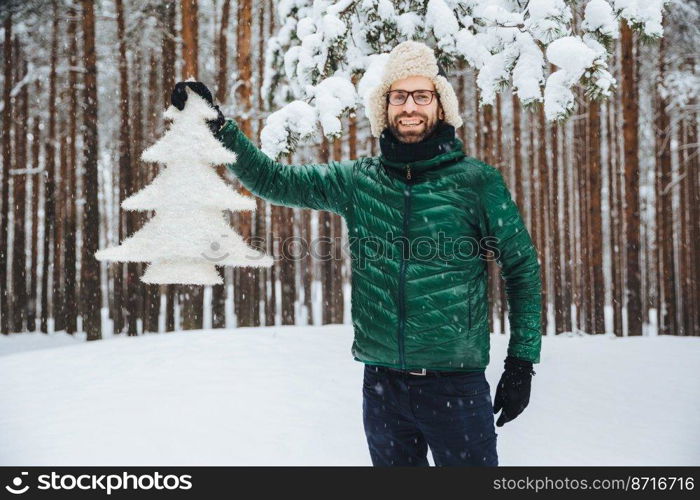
[(411, 58)]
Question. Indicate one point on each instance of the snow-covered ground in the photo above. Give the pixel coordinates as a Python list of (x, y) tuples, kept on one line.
[(293, 396)]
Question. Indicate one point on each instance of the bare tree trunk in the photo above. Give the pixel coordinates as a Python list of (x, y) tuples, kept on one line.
[(90, 266), (630, 114)]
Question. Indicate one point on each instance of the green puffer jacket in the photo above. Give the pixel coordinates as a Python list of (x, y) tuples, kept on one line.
[(419, 286)]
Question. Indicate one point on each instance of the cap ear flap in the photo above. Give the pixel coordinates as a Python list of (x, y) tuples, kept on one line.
[(448, 100), (376, 109)]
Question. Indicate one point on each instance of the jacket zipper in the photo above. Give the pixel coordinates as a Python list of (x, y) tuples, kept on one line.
[(408, 172), (402, 276)]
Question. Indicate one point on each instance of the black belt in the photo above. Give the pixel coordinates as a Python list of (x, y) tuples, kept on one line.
[(420, 373)]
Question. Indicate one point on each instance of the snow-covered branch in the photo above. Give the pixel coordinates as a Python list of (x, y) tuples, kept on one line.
[(345, 40)]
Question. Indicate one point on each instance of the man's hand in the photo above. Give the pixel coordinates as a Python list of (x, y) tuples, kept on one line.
[(178, 97), (513, 391)]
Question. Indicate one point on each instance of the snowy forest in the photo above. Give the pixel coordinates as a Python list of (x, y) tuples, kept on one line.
[(588, 108)]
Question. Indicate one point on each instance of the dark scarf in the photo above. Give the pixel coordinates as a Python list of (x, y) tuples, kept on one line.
[(441, 143)]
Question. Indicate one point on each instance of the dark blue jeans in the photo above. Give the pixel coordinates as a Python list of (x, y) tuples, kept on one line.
[(404, 414)]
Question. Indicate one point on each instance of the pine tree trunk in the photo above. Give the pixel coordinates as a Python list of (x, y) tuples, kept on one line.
[(190, 38), (123, 290), (36, 178), (630, 115), (692, 167), (666, 275), (261, 233), (683, 268), (168, 16), (461, 102), (90, 275), (500, 165), (288, 266), (152, 294), (581, 269), (336, 256), (556, 231), (19, 181), (544, 212), (218, 298), (619, 219), (325, 233), (190, 297), (535, 192), (222, 74), (517, 153), (6, 165), (70, 185), (49, 180), (596, 219), (568, 282), (59, 214), (135, 288), (246, 294)]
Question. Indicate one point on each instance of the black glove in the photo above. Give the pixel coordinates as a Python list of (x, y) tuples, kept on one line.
[(513, 392), (178, 97)]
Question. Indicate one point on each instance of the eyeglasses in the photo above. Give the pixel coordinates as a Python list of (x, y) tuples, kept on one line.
[(420, 97)]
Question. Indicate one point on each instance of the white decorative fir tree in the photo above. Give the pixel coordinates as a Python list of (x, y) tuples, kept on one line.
[(188, 235)]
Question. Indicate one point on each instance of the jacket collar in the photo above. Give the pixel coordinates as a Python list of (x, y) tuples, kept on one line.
[(402, 160)]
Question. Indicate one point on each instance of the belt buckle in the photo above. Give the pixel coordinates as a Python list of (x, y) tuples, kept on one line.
[(422, 372)]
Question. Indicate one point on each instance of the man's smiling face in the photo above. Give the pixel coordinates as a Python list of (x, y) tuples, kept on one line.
[(411, 122)]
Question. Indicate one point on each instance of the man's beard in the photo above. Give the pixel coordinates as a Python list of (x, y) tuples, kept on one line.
[(415, 134)]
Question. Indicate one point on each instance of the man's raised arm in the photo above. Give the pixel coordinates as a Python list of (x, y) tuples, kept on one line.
[(317, 186)]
